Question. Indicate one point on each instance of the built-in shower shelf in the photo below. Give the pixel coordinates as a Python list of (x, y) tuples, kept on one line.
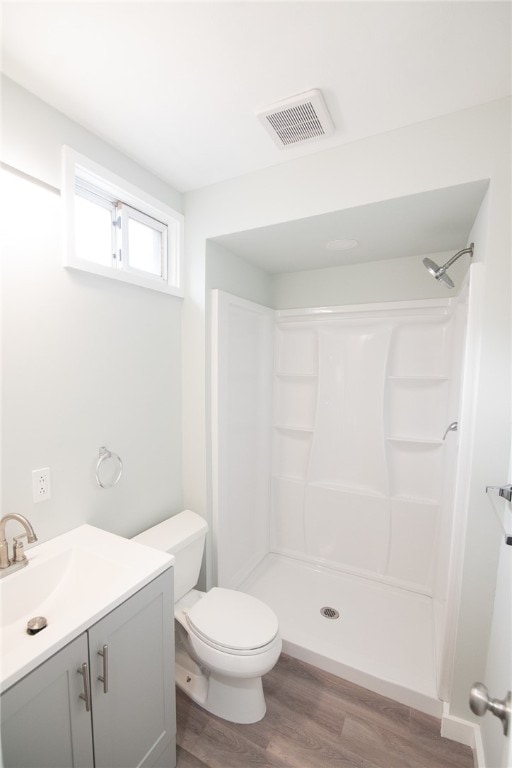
[(290, 428), (289, 478), (285, 375), (418, 379), (423, 500), (349, 489), (415, 441)]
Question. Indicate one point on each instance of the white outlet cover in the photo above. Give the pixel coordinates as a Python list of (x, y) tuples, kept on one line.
[(41, 485)]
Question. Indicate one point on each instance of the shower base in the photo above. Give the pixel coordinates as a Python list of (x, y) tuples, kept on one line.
[(383, 639)]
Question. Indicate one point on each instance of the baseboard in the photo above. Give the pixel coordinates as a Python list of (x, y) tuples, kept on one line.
[(465, 732)]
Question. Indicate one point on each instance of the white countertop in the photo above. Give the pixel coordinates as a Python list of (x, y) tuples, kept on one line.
[(73, 580)]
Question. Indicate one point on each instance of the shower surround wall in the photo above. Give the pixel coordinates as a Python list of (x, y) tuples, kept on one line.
[(361, 402), (351, 404)]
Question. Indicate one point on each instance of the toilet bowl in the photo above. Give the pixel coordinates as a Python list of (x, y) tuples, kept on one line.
[(225, 640), (234, 639)]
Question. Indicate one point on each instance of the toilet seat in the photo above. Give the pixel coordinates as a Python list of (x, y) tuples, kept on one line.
[(233, 622)]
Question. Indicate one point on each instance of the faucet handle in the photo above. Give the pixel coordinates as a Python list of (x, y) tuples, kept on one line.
[(18, 551), (4, 555), (453, 427)]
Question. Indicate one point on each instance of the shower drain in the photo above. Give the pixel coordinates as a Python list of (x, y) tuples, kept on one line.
[(329, 613)]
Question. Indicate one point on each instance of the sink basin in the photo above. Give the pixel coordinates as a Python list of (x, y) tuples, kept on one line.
[(73, 581), (53, 584)]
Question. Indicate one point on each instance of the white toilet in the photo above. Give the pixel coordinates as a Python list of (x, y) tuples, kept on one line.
[(225, 640)]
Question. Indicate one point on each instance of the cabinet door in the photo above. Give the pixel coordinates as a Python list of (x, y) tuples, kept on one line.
[(134, 721), (44, 720)]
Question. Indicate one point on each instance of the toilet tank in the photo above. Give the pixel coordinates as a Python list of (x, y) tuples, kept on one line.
[(183, 536)]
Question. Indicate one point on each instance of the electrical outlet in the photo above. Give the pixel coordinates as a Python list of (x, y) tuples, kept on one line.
[(41, 486)]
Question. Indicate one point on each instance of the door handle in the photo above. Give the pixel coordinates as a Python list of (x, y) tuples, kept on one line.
[(480, 702), (86, 695), (104, 677)]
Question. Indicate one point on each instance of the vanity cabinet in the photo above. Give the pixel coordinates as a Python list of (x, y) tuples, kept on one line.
[(106, 700), (44, 722)]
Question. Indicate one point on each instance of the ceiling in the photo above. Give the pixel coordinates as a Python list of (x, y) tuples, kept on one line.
[(177, 85), (430, 222)]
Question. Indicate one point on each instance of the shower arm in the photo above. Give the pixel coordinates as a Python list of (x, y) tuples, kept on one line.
[(448, 264)]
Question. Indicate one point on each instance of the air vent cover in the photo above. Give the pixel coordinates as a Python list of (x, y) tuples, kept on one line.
[(297, 119)]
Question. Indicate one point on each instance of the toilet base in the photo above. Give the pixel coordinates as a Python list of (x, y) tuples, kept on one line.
[(239, 700)]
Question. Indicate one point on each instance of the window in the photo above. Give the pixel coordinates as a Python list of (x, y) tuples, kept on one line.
[(116, 230)]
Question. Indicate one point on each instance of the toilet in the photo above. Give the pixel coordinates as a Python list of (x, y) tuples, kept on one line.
[(225, 640)]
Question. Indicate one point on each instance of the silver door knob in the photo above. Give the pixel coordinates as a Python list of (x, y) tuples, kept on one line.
[(480, 702)]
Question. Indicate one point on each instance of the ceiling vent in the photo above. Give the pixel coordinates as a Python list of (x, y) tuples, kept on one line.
[(297, 119)]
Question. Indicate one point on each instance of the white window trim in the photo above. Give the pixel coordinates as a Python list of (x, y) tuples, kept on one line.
[(75, 165), (143, 218)]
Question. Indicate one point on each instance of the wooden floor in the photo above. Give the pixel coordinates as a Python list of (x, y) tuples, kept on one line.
[(316, 720)]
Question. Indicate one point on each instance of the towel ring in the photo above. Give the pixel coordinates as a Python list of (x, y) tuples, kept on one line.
[(106, 454)]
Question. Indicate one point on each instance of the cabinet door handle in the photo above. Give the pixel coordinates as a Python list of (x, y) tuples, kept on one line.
[(86, 695), (104, 677)]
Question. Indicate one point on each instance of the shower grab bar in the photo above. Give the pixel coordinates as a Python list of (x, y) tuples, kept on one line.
[(505, 491)]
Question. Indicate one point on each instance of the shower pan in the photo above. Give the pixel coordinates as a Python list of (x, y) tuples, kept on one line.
[(333, 480)]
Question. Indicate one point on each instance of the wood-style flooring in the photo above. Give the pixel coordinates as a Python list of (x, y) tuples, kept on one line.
[(316, 720)]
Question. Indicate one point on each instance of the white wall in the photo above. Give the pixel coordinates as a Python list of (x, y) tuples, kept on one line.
[(87, 361), (393, 280), (33, 134), (242, 335), (454, 149), (227, 272)]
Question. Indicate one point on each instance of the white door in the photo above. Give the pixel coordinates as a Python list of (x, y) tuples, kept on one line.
[(498, 674)]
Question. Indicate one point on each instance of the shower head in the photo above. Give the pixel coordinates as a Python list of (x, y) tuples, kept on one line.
[(440, 272)]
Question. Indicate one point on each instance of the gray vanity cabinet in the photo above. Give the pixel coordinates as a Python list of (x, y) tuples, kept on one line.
[(131, 719), (44, 722), (134, 721)]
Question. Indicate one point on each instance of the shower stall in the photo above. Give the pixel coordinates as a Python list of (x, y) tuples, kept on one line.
[(334, 458)]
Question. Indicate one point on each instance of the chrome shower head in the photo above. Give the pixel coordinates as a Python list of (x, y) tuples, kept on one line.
[(440, 272)]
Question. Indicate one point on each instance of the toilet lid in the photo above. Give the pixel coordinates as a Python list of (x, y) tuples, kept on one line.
[(234, 620)]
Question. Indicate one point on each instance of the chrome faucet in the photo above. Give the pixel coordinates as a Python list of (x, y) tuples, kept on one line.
[(19, 559)]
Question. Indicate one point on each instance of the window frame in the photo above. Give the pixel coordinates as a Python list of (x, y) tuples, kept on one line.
[(96, 181), (90, 193), (127, 212)]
